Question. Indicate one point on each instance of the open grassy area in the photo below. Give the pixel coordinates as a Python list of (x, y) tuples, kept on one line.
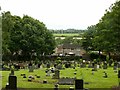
[(66, 34), (95, 81)]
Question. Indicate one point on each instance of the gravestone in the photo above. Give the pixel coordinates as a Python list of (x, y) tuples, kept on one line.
[(95, 68), (105, 75), (59, 66), (24, 76), (31, 68), (119, 77), (52, 70), (48, 73), (56, 87), (105, 65), (12, 83), (30, 79), (66, 81), (115, 66), (66, 65), (78, 84), (118, 64), (48, 65), (93, 64), (56, 75), (71, 88), (44, 81), (37, 76), (90, 65)]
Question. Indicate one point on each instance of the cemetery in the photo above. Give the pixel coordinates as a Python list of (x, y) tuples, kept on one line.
[(65, 75), (35, 57)]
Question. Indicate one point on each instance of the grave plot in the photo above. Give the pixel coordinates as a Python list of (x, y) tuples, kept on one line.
[(66, 81)]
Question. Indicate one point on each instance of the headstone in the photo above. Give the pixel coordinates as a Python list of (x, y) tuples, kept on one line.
[(44, 81), (48, 73), (78, 84), (98, 66), (38, 76), (92, 72), (119, 77), (30, 79), (12, 83), (89, 65), (66, 65), (71, 88), (118, 64), (95, 67), (52, 70), (75, 73), (48, 65), (59, 66), (115, 66), (56, 87), (31, 68), (105, 75), (24, 76), (105, 65), (56, 75), (93, 64), (66, 81)]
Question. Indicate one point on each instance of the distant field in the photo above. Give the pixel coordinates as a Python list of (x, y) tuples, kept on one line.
[(66, 34)]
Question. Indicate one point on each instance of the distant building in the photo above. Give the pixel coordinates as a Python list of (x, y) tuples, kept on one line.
[(69, 49)]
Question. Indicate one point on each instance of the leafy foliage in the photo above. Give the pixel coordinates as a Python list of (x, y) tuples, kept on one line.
[(25, 37)]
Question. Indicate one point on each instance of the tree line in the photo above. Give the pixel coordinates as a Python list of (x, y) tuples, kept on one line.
[(69, 31), (105, 35), (25, 38)]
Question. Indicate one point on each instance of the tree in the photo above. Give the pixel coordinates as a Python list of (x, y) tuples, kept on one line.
[(87, 38), (26, 37), (106, 37)]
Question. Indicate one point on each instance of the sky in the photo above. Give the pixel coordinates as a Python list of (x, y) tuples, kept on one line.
[(59, 14)]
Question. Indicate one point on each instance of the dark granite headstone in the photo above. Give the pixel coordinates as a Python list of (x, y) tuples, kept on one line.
[(12, 82), (37, 76), (78, 84), (119, 77), (44, 81)]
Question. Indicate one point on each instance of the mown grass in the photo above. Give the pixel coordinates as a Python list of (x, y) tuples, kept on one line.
[(95, 81)]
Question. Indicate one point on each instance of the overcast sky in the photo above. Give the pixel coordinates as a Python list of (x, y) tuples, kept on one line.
[(60, 14)]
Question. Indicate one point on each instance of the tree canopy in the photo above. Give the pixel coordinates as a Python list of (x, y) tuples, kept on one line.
[(25, 37), (106, 34)]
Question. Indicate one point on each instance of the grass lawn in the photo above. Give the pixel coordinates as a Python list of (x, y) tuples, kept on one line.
[(66, 34), (95, 81)]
